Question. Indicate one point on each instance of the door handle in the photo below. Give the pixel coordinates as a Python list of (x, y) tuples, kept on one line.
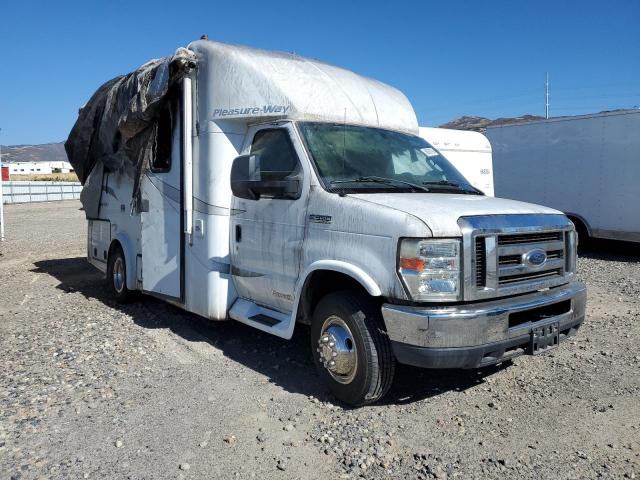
[(238, 233)]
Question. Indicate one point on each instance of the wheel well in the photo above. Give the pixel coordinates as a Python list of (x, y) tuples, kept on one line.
[(320, 283), (115, 244), (582, 227)]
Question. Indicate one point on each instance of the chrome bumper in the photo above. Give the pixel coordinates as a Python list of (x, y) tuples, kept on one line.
[(481, 326)]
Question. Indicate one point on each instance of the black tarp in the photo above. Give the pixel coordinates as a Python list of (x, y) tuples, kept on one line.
[(117, 127)]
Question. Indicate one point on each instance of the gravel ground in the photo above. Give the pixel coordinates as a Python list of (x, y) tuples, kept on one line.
[(90, 389)]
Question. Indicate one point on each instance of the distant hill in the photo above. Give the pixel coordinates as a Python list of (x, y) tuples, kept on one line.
[(47, 152), (480, 124)]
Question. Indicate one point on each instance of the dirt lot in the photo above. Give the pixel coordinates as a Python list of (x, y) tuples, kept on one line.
[(90, 389)]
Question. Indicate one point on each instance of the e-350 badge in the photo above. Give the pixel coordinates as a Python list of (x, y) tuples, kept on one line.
[(325, 219)]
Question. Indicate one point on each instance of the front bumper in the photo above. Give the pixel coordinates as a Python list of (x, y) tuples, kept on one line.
[(483, 333)]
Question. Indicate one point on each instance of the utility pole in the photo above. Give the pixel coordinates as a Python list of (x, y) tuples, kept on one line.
[(546, 97), (1, 198)]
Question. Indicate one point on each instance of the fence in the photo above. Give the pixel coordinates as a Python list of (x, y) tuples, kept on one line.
[(25, 191)]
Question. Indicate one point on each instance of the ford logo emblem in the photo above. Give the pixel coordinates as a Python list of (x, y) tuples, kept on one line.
[(535, 258)]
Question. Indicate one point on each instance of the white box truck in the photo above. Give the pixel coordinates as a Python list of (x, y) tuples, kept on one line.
[(587, 166), (469, 152), (281, 190)]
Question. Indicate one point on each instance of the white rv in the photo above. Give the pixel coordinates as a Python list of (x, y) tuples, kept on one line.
[(587, 166), (469, 152), (284, 190)]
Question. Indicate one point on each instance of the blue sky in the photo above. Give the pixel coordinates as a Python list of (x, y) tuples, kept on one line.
[(450, 58)]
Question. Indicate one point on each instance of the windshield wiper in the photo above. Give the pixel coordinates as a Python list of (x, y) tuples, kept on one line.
[(385, 180), (446, 183)]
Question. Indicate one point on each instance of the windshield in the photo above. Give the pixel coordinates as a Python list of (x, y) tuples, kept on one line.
[(365, 159)]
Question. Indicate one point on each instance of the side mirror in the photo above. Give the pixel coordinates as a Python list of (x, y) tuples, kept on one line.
[(245, 171), (247, 182)]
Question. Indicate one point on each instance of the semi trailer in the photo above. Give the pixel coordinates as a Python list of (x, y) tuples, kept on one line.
[(587, 166), (275, 190)]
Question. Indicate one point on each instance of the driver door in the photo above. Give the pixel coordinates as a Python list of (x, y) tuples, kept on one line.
[(267, 234)]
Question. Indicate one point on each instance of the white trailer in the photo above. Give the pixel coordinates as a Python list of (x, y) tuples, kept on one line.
[(587, 166), (283, 190), (469, 152)]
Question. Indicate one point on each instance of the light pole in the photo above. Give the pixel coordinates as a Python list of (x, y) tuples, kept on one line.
[(1, 197)]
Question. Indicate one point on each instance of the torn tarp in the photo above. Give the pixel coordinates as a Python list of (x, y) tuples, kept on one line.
[(116, 128)]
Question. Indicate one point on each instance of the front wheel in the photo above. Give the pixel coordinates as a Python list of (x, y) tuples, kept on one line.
[(351, 349)]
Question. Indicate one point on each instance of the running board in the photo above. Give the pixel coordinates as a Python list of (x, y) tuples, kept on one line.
[(262, 318)]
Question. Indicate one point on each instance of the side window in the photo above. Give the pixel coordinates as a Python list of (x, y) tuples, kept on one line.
[(278, 159), (161, 159)]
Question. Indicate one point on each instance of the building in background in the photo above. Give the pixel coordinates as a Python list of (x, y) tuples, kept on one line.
[(39, 168), (60, 167)]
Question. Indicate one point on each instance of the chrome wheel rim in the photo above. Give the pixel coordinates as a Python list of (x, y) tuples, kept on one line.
[(118, 275), (337, 350)]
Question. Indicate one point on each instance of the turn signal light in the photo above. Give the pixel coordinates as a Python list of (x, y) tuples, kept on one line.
[(416, 264)]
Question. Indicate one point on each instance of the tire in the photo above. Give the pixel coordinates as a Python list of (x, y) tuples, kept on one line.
[(117, 277), (350, 325)]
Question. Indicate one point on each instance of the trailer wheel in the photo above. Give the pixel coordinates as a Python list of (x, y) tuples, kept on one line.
[(351, 349), (117, 276)]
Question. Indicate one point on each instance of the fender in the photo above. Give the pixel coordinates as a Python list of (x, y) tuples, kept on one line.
[(349, 269), (129, 258), (353, 271)]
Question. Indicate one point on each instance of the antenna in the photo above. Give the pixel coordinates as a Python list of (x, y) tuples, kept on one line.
[(546, 97), (344, 140)]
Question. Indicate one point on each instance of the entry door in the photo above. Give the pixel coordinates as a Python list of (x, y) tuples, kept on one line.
[(161, 236), (267, 234)]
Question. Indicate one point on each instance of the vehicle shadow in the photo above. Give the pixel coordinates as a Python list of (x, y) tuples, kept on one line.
[(287, 364), (613, 250)]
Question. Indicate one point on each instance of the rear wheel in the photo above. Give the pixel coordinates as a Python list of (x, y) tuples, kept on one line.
[(351, 349), (117, 276)]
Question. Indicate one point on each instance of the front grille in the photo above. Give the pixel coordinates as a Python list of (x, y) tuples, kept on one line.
[(481, 262), (510, 260), (555, 254), (510, 279), (520, 238), (515, 254), (507, 266)]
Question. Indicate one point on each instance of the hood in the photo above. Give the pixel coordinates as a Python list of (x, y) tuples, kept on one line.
[(441, 211)]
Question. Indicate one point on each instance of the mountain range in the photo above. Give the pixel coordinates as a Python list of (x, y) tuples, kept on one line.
[(480, 124), (46, 152)]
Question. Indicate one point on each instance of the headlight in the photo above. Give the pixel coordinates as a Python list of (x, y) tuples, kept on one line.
[(430, 269)]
